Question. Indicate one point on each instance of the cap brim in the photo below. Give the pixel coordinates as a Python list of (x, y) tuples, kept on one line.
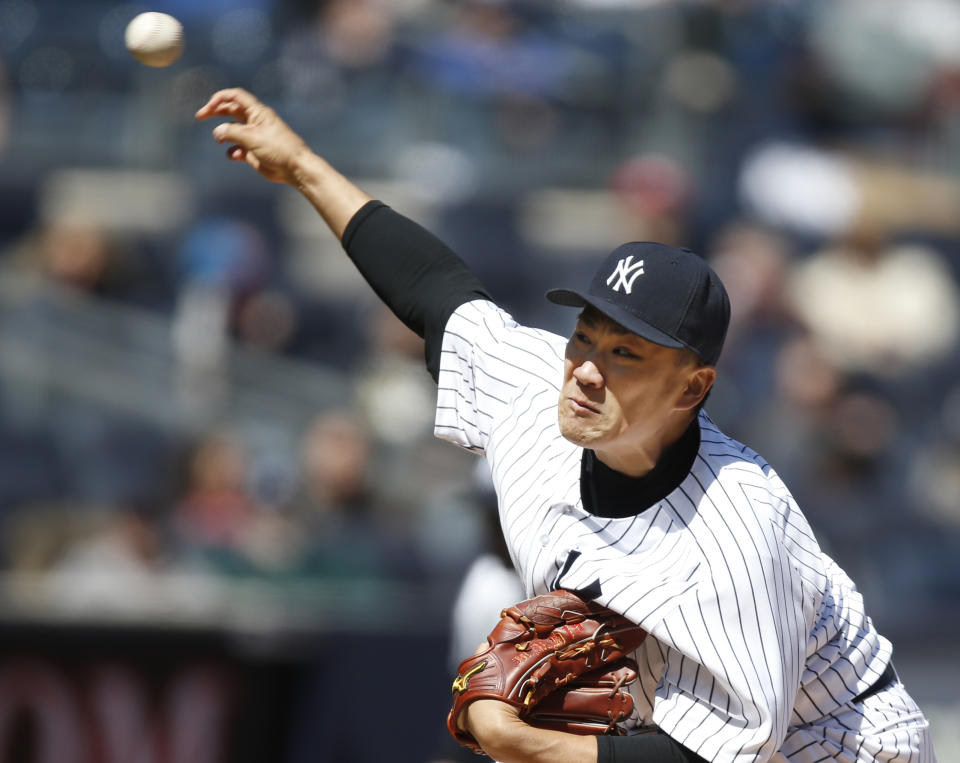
[(570, 298)]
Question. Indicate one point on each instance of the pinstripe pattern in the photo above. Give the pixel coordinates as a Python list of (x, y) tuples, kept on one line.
[(760, 641)]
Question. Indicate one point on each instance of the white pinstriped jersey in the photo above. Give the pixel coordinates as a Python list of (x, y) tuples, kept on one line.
[(759, 641)]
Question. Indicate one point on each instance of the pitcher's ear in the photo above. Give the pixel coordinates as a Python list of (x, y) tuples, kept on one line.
[(699, 382)]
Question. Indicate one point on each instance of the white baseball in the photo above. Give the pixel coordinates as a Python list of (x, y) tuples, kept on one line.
[(154, 39)]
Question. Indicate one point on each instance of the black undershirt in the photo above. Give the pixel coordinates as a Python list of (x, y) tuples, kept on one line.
[(612, 494), (423, 282)]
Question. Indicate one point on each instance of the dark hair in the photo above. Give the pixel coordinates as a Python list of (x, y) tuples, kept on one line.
[(687, 357)]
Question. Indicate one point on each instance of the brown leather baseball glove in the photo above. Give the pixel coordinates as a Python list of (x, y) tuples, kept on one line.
[(562, 660)]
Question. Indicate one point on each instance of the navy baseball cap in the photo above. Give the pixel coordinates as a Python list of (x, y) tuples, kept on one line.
[(667, 295)]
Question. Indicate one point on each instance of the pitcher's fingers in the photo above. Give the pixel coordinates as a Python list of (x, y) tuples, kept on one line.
[(222, 109), (236, 153), (215, 100), (209, 109), (230, 101), (234, 132)]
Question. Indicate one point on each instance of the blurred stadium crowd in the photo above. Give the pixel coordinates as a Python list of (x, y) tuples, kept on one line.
[(193, 380)]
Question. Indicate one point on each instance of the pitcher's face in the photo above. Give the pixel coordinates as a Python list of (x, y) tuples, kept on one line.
[(620, 390)]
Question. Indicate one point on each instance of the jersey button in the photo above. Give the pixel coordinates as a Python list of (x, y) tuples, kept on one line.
[(545, 540)]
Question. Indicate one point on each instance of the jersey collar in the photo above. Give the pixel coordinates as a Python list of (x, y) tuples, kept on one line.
[(612, 494)]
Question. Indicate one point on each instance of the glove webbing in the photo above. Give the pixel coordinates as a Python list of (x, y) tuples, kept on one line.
[(570, 653)]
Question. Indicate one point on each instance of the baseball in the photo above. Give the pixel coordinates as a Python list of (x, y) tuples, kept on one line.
[(154, 39)]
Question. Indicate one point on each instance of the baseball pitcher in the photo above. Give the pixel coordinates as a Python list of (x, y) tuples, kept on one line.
[(668, 567)]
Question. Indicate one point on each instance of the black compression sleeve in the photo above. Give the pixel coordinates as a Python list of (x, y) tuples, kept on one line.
[(415, 274), (644, 748)]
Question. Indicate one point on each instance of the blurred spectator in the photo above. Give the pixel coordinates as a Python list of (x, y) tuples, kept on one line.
[(330, 529), (223, 263), (355, 34), (224, 253), (342, 514), (753, 262), (333, 55), (394, 390), (803, 190), (218, 526), (880, 60), (786, 423), (212, 519), (75, 256), (934, 481), (111, 565), (335, 456), (36, 536), (486, 49), (86, 257), (877, 306), (506, 75), (267, 321), (129, 543), (656, 192)]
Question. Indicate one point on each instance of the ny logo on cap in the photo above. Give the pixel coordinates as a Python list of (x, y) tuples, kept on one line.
[(626, 273)]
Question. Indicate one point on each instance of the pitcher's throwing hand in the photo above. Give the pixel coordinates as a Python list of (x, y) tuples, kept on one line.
[(258, 136)]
